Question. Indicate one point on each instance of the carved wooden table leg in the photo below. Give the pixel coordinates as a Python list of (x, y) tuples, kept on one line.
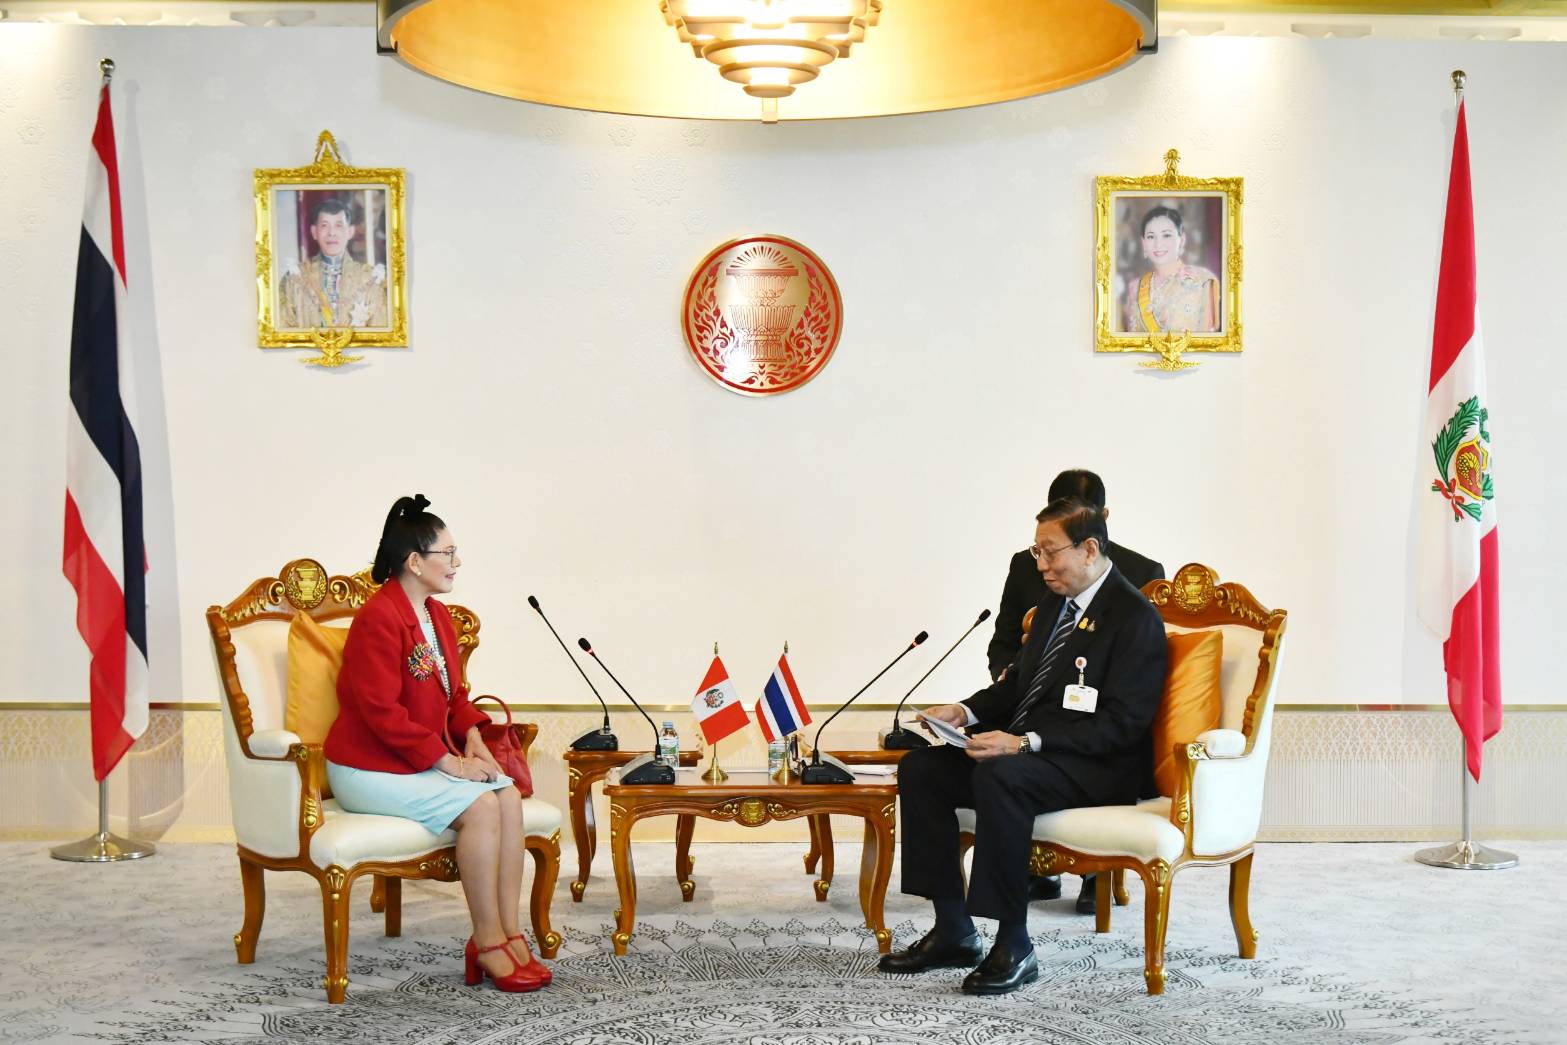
[(620, 822), (816, 844), (875, 870), (685, 827), (824, 835), (583, 830)]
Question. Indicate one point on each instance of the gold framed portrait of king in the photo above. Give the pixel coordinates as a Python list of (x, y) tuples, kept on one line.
[(1167, 268), (331, 261)]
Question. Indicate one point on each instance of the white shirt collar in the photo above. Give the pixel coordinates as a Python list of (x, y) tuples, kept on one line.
[(1087, 596)]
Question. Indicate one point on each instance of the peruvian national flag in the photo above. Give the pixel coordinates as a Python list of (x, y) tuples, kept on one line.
[(1456, 509), (717, 706)]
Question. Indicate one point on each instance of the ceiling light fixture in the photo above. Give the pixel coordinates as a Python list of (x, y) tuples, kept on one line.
[(909, 55)]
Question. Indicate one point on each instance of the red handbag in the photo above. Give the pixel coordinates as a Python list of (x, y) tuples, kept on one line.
[(503, 744)]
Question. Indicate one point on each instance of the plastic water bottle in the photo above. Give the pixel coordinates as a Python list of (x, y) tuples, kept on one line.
[(777, 757), (669, 746)]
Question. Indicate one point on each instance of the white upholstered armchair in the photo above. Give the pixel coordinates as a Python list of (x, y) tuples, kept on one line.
[(1213, 817), (284, 817)]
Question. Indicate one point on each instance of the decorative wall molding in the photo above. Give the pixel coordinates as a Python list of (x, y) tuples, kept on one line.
[(1336, 775)]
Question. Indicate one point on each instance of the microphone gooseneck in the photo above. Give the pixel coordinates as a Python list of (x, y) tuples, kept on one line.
[(897, 727), (534, 602), (587, 647), (816, 745)]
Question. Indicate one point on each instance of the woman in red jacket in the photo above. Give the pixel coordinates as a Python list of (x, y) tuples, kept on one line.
[(394, 749)]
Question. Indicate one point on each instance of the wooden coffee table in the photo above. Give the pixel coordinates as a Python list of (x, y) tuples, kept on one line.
[(752, 799), (583, 770)]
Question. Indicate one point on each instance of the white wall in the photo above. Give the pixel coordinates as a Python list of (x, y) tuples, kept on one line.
[(548, 409)]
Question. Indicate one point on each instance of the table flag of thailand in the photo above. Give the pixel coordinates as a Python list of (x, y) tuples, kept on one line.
[(717, 705), (781, 710)]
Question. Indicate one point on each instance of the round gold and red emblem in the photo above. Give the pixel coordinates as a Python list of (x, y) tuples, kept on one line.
[(762, 315)]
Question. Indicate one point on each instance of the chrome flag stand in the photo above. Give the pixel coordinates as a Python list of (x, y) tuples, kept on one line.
[(103, 848), (1466, 854)]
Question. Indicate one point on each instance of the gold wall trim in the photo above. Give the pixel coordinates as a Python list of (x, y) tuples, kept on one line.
[(908, 711), (1417, 8)]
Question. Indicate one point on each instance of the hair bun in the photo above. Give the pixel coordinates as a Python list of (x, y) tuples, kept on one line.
[(410, 506)]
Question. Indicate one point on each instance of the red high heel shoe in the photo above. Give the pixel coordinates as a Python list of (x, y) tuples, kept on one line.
[(532, 965), (520, 980)]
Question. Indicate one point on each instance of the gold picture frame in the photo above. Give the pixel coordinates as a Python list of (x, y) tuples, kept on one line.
[(1138, 224), (303, 299)]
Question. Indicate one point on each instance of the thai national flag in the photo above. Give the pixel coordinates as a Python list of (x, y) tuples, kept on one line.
[(781, 711), (105, 556)]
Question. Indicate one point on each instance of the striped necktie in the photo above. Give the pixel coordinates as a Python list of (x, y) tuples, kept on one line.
[(1036, 688)]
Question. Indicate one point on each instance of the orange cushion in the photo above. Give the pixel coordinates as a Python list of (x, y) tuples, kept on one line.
[(1192, 700), (315, 654)]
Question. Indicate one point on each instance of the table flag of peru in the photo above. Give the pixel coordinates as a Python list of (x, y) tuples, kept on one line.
[(105, 557), (717, 705), (1457, 565), (781, 711)]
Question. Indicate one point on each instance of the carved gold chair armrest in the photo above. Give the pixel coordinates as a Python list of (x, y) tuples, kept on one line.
[(1217, 802), (312, 776)]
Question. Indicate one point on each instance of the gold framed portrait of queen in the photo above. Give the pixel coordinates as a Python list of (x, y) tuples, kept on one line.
[(331, 261), (1167, 271)]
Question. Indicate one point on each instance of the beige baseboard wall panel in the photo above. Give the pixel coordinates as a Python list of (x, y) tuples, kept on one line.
[(1335, 775)]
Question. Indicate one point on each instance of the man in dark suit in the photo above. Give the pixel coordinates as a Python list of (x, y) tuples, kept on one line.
[(1025, 589), (1066, 727)]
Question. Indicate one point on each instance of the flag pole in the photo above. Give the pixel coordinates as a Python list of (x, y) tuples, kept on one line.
[(715, 773), (1465, 854), (103, 847)]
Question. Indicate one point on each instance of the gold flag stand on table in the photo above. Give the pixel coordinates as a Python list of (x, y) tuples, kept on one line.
[(715, 773)]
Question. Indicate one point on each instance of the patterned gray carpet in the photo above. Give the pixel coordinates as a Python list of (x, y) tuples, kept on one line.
[(1359, 945)]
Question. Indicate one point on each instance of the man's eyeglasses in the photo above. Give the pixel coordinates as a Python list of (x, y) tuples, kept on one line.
[(1047, 554), (450, 553)]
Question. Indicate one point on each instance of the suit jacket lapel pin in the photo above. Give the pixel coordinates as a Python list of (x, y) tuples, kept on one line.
[(1086, 625), (421, 662)]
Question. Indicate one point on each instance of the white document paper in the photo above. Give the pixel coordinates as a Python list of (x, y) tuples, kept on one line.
[(952, 735)]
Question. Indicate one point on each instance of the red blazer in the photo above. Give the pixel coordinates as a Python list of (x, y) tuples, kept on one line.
[(388, 720)]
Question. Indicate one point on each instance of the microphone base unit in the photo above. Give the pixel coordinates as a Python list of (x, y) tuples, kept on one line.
[(901, 739), (596, 740), (828, 771), (646, 769)]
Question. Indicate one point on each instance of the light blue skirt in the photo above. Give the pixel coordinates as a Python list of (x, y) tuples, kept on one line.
[(431, 797)]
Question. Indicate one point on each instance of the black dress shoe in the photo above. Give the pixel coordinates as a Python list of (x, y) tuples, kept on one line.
[(1085, 895), (932, 952), (1002, 972), (1045, 887)]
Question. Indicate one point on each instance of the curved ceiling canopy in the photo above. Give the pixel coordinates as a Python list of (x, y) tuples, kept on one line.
[(767, 59)]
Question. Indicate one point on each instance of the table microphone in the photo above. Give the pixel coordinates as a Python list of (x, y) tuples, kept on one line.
[(644, 769), (600, 739), (899, 739), (826, 769)]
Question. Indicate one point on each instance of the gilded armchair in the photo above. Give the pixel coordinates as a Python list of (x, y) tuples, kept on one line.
[(1213, 817), (284, 816)]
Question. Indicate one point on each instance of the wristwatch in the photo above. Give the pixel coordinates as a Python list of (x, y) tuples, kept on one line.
[(1023, 746)]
